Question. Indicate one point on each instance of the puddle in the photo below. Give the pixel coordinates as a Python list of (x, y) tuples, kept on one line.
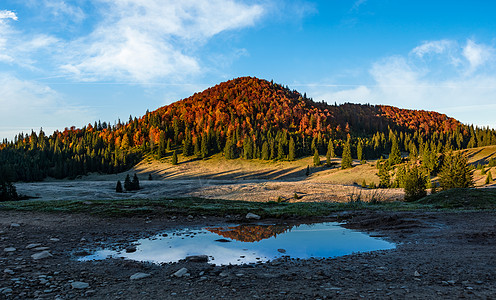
[(246, 244)]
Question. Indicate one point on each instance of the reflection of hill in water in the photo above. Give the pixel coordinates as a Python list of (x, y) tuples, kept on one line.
[(250, 233)]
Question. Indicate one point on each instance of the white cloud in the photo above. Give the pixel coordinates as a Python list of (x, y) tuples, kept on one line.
[(477, 54), (140, 40), (467, 92), (18, 48), (7, 14), (62, 8), (31, 104), (436, 47)]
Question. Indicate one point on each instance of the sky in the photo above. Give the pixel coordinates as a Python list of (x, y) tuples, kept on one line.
[(71, 63)]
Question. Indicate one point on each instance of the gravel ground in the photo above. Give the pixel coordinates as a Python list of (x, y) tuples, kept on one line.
[(439, 255)]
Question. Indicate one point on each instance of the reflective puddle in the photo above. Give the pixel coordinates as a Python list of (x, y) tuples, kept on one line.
[(244, 244)]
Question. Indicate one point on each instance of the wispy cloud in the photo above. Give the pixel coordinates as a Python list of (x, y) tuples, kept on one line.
[(434, 84), (144, 40), (357, 4), (60, 8), (31, 104)]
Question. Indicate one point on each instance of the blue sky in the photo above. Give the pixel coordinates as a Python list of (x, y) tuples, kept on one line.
[(65, 63)]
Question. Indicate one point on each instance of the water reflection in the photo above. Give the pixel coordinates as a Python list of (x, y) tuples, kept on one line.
[(249, 244)]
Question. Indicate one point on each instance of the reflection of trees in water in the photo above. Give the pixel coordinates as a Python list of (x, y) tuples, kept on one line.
[(250, 233)]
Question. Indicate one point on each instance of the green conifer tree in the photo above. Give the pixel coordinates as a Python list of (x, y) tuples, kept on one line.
[(395, 155), (384, 176), (360, 150), (135, 183), (292, 150), (204, 153), (414, 185), (280, 151), (128, 185), (455, 172), (265, 151), (174, 157), (316, 158), (489, 177), (161, 145), (346, 160), (118, 187)]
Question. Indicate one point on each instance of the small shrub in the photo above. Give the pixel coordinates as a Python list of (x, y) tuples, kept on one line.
[(364, 184)]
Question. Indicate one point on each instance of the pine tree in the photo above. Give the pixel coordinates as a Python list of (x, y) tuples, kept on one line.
[(161, 145), (316, 158), (118, 187), (174, 157), (248, 148), (414, 185), (229, 149), (455, 172), (401, 177), (204, 146), (330, 150), (188, 145), (135, 183), (197, 147), (489, 177), (292, 151), (280, 151), (150, 177), (384, 176), (128, 185), (307, 172), (395, 155), (360, 150), (346, 161), (265, 151)]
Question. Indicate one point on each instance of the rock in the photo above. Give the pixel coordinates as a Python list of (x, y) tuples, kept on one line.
[(54, 240), (281, 250), (30, 246), (15, 225), (79, 285), (223, 274), (8, 271), (5, 290), (197, 258), (416, 274), (41, 255), (181, 272), (9, 249), (252, 216), (130, 249), (41, 248), (138, 276)]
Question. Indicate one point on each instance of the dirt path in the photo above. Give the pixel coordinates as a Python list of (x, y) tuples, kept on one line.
[(440, 255)]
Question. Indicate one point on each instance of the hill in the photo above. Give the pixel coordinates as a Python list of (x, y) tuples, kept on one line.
[(244, 117)]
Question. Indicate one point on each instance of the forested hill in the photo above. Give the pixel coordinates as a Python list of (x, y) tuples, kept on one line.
[(244, 117)]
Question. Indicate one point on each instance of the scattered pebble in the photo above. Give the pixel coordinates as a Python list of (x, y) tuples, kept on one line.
[(79, 285), (138, 276), (9, 249), (181, 272), (252, 216), (41, 255), (31, 246)]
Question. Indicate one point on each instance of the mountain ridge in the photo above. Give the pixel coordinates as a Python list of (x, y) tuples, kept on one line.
[(243, 117)]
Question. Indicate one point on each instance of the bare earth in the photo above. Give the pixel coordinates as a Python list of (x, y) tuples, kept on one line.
[(439, 255)]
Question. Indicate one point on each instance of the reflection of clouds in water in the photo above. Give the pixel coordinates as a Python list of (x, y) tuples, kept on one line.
[(303, 241)]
